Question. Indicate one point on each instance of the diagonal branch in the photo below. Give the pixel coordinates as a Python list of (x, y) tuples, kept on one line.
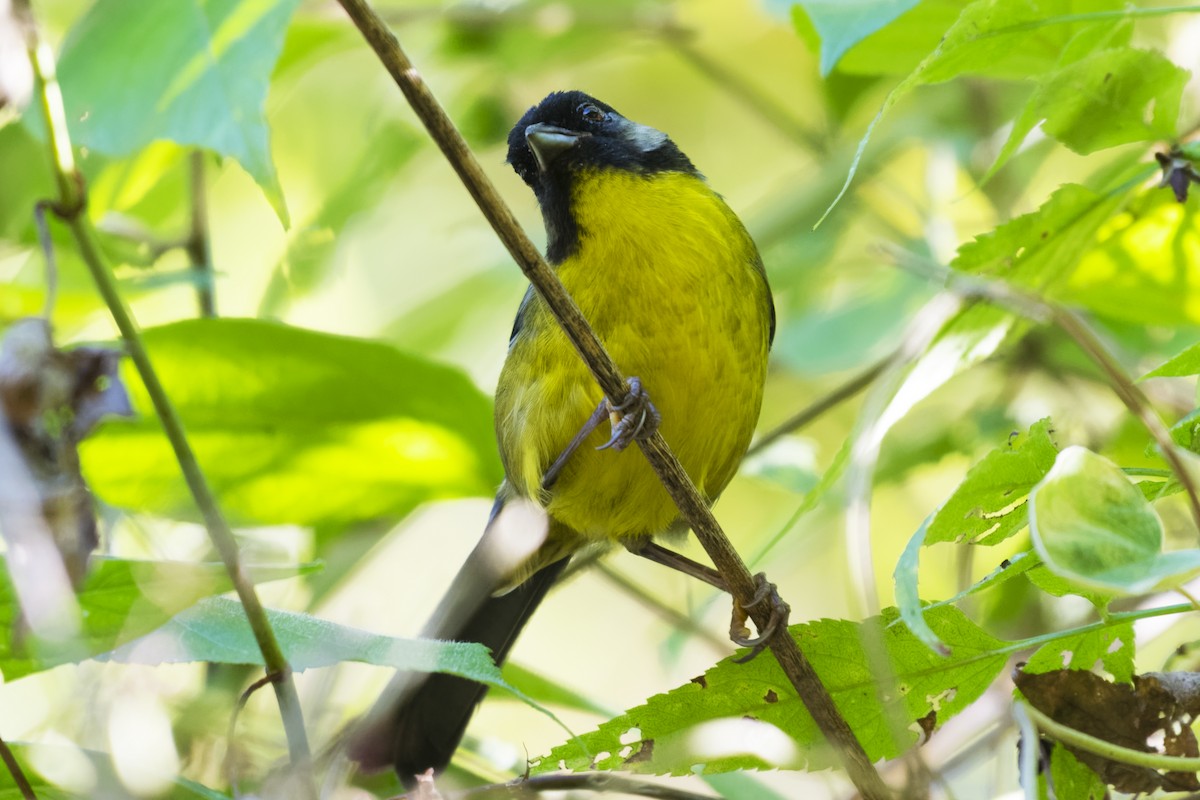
[(691, 504), (71, 207)]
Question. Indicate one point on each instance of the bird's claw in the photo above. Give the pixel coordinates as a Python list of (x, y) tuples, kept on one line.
[(740, 634), (633, 418)]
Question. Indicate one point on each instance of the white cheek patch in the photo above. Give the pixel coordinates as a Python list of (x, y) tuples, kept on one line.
[(643, 137)]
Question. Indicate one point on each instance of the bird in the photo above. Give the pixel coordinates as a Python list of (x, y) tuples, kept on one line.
[(673, 285)]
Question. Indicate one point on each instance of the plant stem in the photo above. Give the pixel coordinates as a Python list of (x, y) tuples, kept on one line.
[(18, 774), (820, 406), (691, 503), (71, 208), (197, 242), (1113, 752)]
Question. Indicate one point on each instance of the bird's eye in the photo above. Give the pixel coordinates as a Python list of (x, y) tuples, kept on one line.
[(592, 113)]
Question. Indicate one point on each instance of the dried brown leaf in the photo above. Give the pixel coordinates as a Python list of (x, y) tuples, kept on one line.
[(1150, 710)]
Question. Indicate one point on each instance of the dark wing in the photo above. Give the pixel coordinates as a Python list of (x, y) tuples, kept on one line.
[(527, 300)]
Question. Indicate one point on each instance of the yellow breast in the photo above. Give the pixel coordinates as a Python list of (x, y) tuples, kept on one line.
[(671, 283)]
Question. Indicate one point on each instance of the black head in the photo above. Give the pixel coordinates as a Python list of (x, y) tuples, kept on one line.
[(569, 132)]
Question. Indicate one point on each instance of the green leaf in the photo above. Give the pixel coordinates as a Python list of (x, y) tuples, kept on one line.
[(216, 631), (295, 426), (200, 78), (1186, 432), (843, 23), (1035, 249), (1182, 364), (1092, 526), (1111, 648), (908, 598), (1074, 779), (1114, 35), (990, 37), (989, 505), (899, 47), (742, 716), (119, 601), (1110, 98)]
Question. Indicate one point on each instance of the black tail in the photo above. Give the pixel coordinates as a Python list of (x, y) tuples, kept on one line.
[(429, 717)]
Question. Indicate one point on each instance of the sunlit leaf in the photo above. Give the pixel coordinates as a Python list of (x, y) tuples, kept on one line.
[(200, 78), (1145, 267), (1092, 526), (119, 601), (744, 716), (295, 426), (843, 23)]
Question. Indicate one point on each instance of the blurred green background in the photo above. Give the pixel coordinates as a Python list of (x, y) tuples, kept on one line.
[(384, 243)]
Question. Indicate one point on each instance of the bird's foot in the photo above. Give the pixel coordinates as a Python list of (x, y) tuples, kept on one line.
[(633, 418), (780, 610)]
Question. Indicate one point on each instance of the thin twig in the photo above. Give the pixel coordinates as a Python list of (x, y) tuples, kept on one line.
[(1043, 311), (47, 244), (691, 503), (599, 782), (231, 731), (71, 209), (821, 406), (675, 617), (197, 244), (18, 774)]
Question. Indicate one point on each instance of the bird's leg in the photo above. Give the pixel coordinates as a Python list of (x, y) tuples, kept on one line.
[(680, 563), (551, 474), (765, 593), (635, 417)]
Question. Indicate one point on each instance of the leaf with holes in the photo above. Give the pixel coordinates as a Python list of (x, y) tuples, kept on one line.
[(746, 716), (989, 505)]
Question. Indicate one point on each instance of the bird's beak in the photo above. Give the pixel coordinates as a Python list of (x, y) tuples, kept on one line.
[(549, 141)]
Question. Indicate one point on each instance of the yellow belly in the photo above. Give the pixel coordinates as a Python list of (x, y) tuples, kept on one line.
[(669, 280)]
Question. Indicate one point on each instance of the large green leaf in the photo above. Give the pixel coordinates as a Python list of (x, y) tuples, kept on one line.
[(200, 78), (745, 716), (215, 630), (1092, 526), (120, 600), (295, 426), (843, 23)]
